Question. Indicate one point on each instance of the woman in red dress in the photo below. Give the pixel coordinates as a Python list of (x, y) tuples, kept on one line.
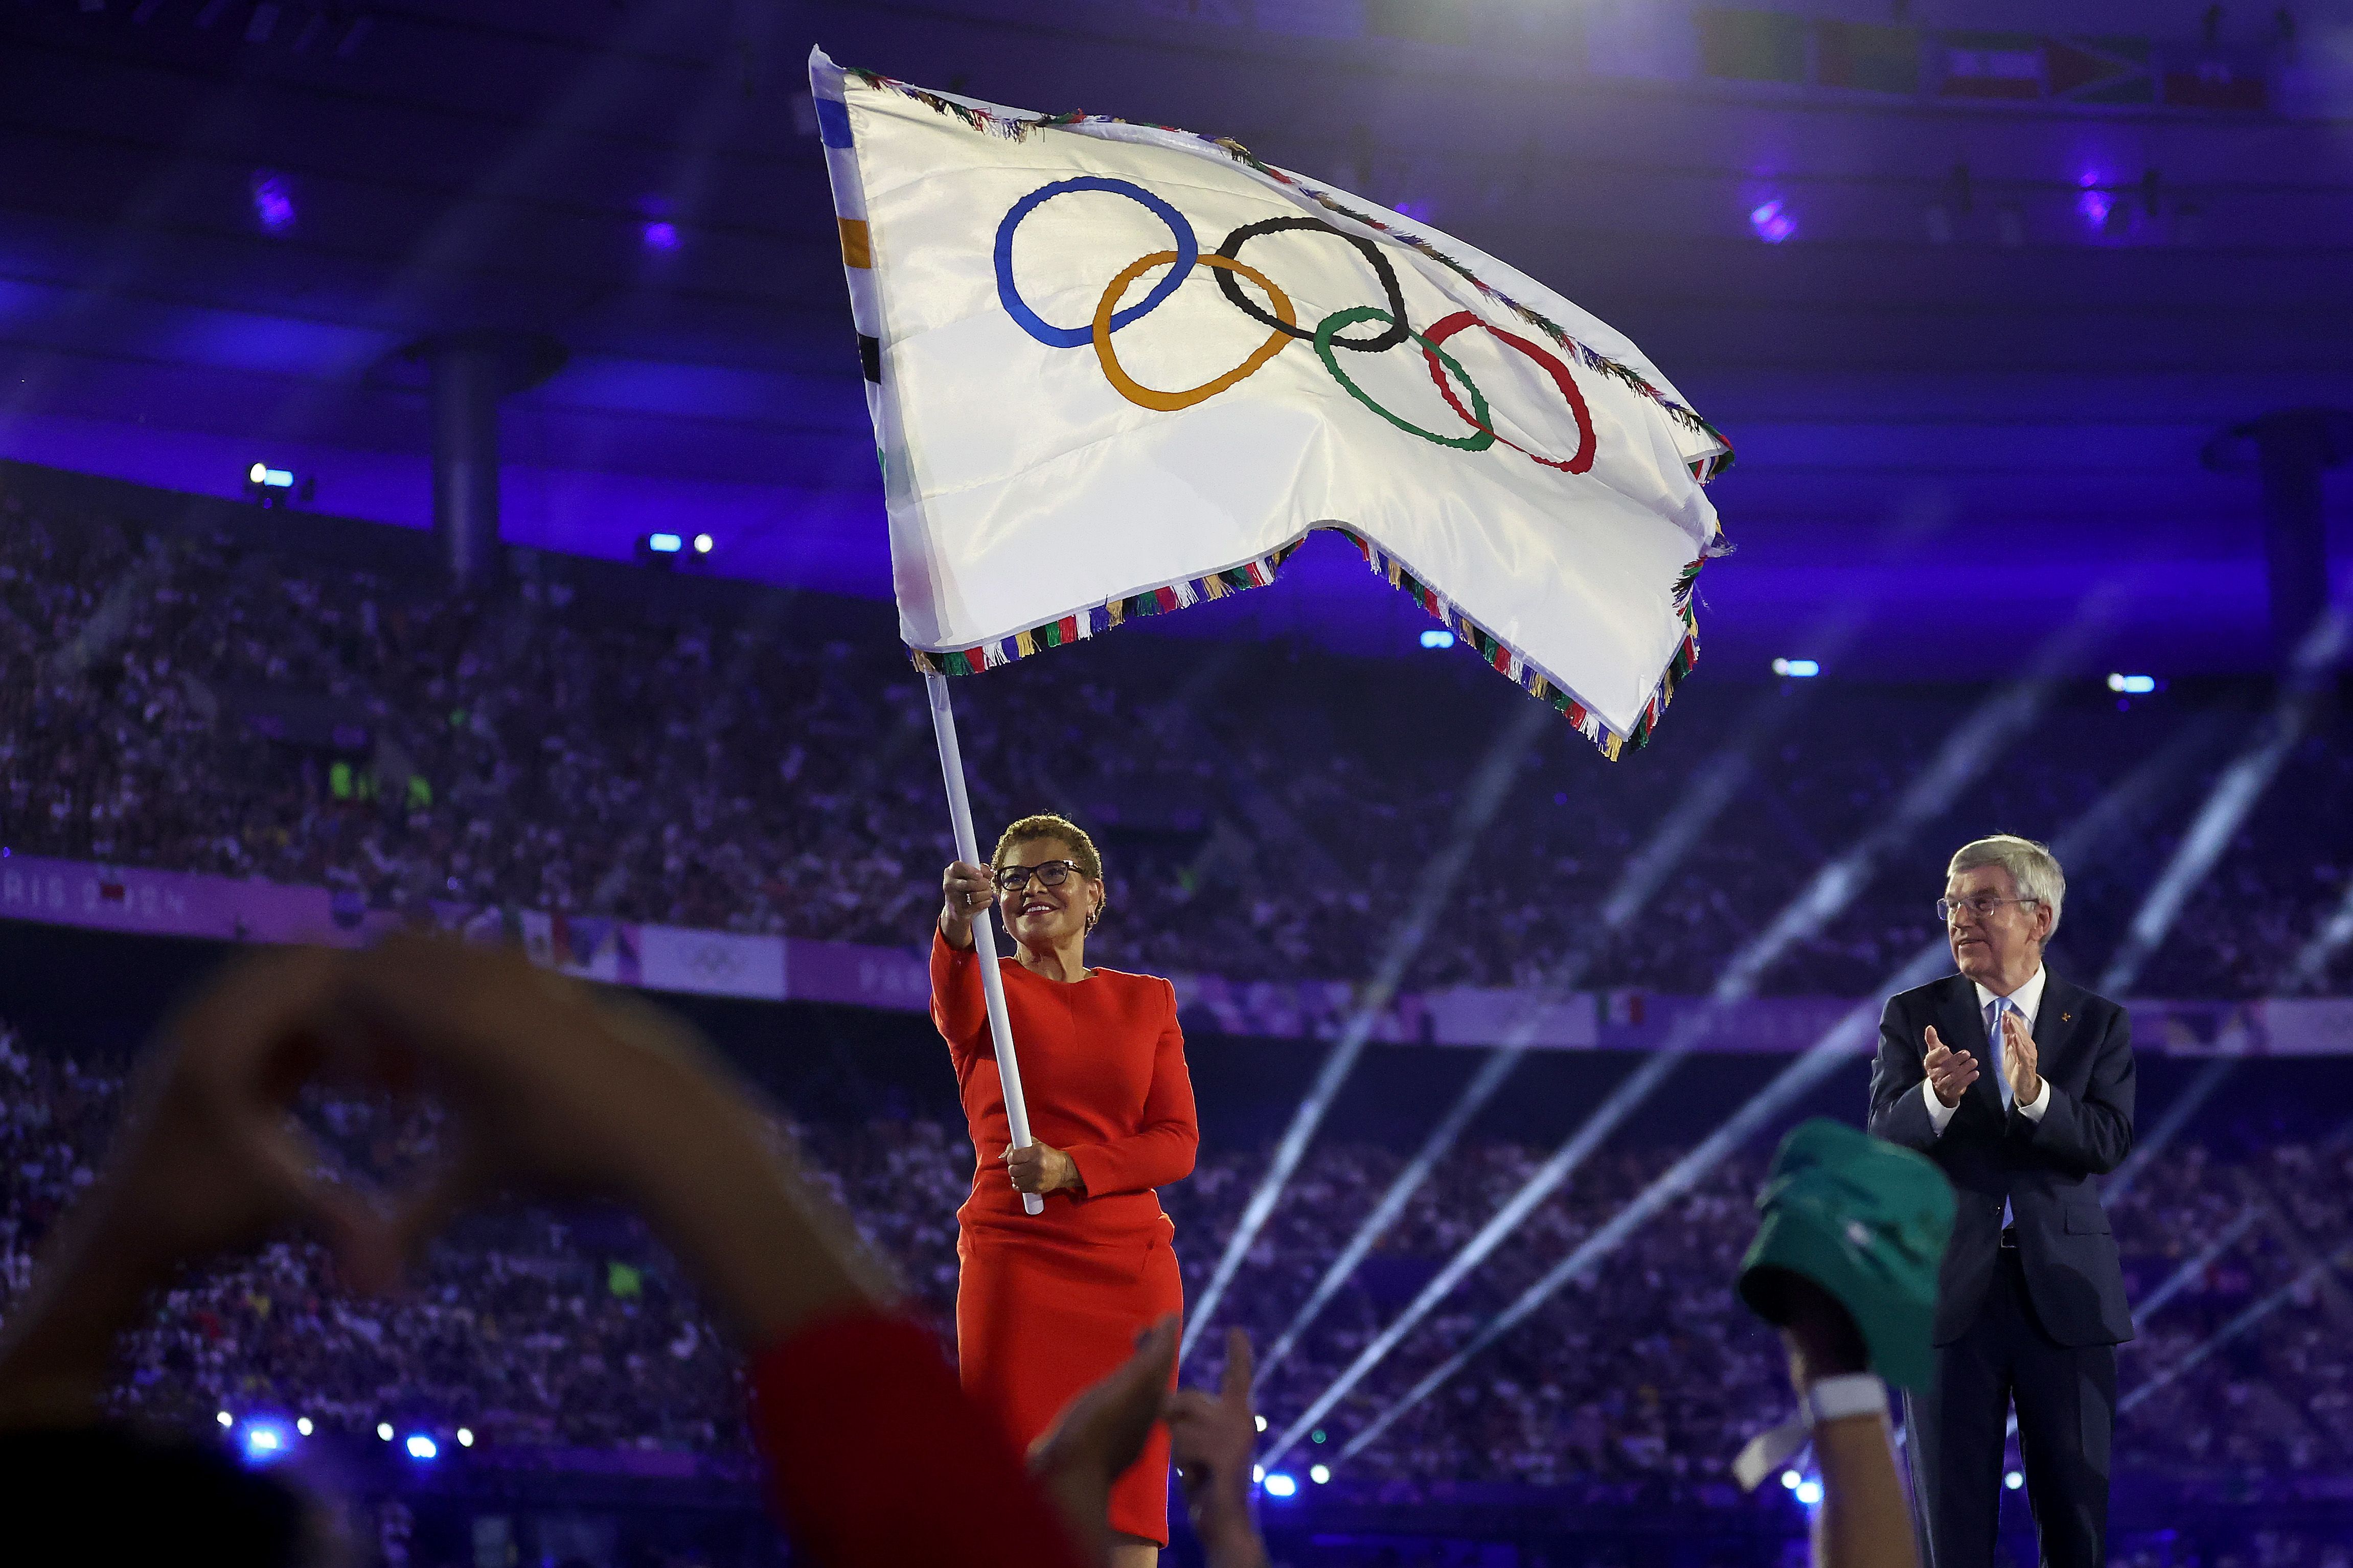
[(1047, 1304)]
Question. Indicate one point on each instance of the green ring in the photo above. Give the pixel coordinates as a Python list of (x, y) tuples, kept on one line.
[(1355, 313)]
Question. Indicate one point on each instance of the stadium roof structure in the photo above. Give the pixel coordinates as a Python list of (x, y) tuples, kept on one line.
[(1968, 320)]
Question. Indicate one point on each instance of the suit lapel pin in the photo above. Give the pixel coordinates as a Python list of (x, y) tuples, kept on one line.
[(2066, 1017)]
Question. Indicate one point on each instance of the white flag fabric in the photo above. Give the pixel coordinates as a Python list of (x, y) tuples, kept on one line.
[(1115, 369)]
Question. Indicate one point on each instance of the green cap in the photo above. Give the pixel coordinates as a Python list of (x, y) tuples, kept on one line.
[(1868, 1223)]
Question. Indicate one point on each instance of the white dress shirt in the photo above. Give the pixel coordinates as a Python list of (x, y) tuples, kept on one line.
[(2027, 1000)]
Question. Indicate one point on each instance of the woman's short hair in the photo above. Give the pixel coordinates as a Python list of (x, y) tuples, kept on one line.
[(1046, 825), (2033, 870)]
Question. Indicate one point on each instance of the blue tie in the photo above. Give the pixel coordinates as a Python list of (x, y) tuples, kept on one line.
[(2002, 1005)]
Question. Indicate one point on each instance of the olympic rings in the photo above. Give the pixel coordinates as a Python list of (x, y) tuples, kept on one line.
[(1480, 442), (1109, 318), (1169, 401), (1448, 326), (1009, 293), (1371, 252)]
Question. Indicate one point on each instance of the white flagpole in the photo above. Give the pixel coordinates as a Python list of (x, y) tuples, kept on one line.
[(984, 936)]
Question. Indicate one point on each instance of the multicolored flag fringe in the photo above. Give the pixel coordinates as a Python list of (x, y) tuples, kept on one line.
[(1118, 369)]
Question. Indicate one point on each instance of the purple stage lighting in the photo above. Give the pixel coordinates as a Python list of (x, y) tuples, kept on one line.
[(1771, 221), (273, 202), (2093, 203), (662, 235)]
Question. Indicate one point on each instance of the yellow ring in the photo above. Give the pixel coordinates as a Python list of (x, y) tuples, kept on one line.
[(1169, 401)]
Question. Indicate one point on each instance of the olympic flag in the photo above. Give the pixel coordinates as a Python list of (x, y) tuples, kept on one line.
[(1115, 369)]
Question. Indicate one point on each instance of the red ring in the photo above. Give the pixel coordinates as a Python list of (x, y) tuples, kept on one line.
[(1454, 323)]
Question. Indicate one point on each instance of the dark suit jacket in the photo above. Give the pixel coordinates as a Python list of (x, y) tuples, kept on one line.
[(2083, 1049)]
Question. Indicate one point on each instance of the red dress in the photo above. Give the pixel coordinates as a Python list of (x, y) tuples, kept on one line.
[(876, 1460), (1049, 1304)]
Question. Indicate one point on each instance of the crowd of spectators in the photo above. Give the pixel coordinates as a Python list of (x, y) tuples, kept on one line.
[(541, 1327), (200, 705)]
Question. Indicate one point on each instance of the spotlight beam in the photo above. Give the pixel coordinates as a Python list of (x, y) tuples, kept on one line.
[(1703, 801), (1710, 790), (2311, 964), (1437, 884), (1498, 1065), (2233, 796), (2178, 1280), (2169, 1127), (1967, 752), (1836, 1048), (1833, 1051), (2341, 1257)]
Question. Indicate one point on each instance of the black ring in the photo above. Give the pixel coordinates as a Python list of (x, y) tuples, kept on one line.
[(1232, 289)]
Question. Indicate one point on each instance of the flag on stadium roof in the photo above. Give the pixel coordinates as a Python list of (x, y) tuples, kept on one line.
[(1116, 369)]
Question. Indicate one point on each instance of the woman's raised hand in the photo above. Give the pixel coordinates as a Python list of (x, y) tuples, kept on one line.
[(965, 890)]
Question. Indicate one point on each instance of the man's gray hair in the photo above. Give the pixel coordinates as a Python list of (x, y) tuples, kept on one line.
[(2033, 870)]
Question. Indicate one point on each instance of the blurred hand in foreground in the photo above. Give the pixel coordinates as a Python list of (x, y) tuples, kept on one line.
[(1213, 1439)]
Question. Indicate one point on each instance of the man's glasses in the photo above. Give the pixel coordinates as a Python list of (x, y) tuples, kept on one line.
[(1048, 873), (1982, 905)]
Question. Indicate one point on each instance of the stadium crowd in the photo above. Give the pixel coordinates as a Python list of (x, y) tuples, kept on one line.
[(568, 1328), (201, 706)]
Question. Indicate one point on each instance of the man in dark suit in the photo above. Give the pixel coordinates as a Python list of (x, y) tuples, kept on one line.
[(2030, 1301)]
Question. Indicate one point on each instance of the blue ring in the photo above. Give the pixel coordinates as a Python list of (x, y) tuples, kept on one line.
[(1188, 250)]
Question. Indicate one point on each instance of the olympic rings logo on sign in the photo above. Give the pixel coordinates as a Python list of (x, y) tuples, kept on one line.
[(1282, 318)]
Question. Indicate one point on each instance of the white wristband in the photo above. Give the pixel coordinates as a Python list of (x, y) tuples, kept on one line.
[(1832, 1399), (1836, 1398)]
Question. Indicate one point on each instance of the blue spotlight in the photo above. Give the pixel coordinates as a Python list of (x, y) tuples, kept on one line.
[(1798, 668), (1320, 1474), (1810, 1493), (420, 1447), (1438, 637), (664, 544), (266, 1442), (2014, 1481), (1279, 1484), (1789, 1479), (1771, 222), (702, 543), (273, 202), (2091, 200), (662, 235), (2133, 685)]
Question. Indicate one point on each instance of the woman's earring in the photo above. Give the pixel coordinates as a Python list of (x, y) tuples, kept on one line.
[(1094, 915)]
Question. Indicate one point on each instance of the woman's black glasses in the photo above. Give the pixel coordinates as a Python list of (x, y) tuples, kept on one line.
[(1049, 874)]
